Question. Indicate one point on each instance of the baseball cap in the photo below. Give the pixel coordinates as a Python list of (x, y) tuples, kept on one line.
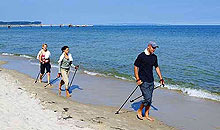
[(153, 44)]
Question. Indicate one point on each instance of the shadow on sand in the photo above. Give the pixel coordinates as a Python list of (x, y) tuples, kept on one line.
[(136, 105), (71, 88)]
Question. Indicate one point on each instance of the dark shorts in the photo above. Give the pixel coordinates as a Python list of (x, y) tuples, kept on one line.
[(147, 92), (46, 66)]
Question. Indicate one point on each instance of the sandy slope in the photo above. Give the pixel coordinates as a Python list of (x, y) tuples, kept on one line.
[(20, 110)]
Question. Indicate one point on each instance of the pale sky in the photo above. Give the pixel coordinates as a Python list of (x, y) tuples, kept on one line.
[(112, 11)]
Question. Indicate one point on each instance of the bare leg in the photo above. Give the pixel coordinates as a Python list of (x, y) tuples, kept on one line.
[(60, 85), (48, 78), (139, 111), (147, 108), (67, 93), (67, 89), (41, 76)]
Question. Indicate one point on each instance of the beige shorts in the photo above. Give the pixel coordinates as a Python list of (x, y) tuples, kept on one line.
[(65, 76)]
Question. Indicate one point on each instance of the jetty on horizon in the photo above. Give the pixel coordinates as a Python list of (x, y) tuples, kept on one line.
[(38, 24), (47, 25)]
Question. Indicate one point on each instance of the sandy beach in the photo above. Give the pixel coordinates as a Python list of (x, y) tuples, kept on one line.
[(25, 105), (22, 110)]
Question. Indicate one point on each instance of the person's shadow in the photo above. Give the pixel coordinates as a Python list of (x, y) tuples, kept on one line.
[(52, 81), (136, 105), (71, 88)]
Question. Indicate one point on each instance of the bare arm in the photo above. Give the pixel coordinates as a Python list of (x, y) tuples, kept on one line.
[(136, 72), (139, 82), (39, 56), (159, 75)]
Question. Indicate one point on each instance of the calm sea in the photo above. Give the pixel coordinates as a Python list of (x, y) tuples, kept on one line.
[(189, 56)]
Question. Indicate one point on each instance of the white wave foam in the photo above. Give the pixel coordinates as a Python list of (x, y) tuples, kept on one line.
[(201, 94), (26, 56), (194, 92), (7, 54), (93, 73), (118, 77), (11, 54)]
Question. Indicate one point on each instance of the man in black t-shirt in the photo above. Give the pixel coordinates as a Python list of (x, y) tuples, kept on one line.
[(143, 71)]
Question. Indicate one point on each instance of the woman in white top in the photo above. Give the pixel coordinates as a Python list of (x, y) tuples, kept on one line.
[(44, 58), (65, 62)]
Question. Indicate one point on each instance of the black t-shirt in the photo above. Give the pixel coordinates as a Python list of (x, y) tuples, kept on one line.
[(145, 64)]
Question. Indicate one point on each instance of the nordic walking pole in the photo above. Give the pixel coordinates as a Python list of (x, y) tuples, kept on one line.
[(126, 99), (135, 98), (43, 75), (72, 78), (142, 95), (51, 81), (37, 78)]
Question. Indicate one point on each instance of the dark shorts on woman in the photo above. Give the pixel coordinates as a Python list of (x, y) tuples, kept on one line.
[(44, 66), (147, 92)]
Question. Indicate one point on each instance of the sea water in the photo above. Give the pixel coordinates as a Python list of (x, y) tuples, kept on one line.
[(188, 55)]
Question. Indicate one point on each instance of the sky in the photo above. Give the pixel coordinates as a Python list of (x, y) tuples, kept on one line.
[(112, 11)]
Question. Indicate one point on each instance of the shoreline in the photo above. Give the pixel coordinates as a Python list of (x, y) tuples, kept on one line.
[(192, 92), (85, 115)]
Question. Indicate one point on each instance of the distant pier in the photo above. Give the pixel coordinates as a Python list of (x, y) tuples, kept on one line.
[(47, 25)]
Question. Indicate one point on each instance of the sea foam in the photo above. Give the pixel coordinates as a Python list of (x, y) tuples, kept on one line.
[(7, 54), (93, 73), (20, 55), (194, 92)]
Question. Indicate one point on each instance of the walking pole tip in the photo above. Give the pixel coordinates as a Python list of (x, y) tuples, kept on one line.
[(117, 112)]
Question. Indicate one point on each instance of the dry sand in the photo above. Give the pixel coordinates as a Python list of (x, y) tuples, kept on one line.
[(26, 105)]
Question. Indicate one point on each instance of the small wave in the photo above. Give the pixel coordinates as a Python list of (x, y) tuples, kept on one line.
[(118, 77), (7, 54), (93, 73), (20, 55), (104, 75), (194, 92), (26, 56)]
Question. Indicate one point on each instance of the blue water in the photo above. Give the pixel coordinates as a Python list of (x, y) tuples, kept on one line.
[(189, 56)]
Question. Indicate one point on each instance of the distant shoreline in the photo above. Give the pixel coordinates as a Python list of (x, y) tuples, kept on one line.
[(46, 25)]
